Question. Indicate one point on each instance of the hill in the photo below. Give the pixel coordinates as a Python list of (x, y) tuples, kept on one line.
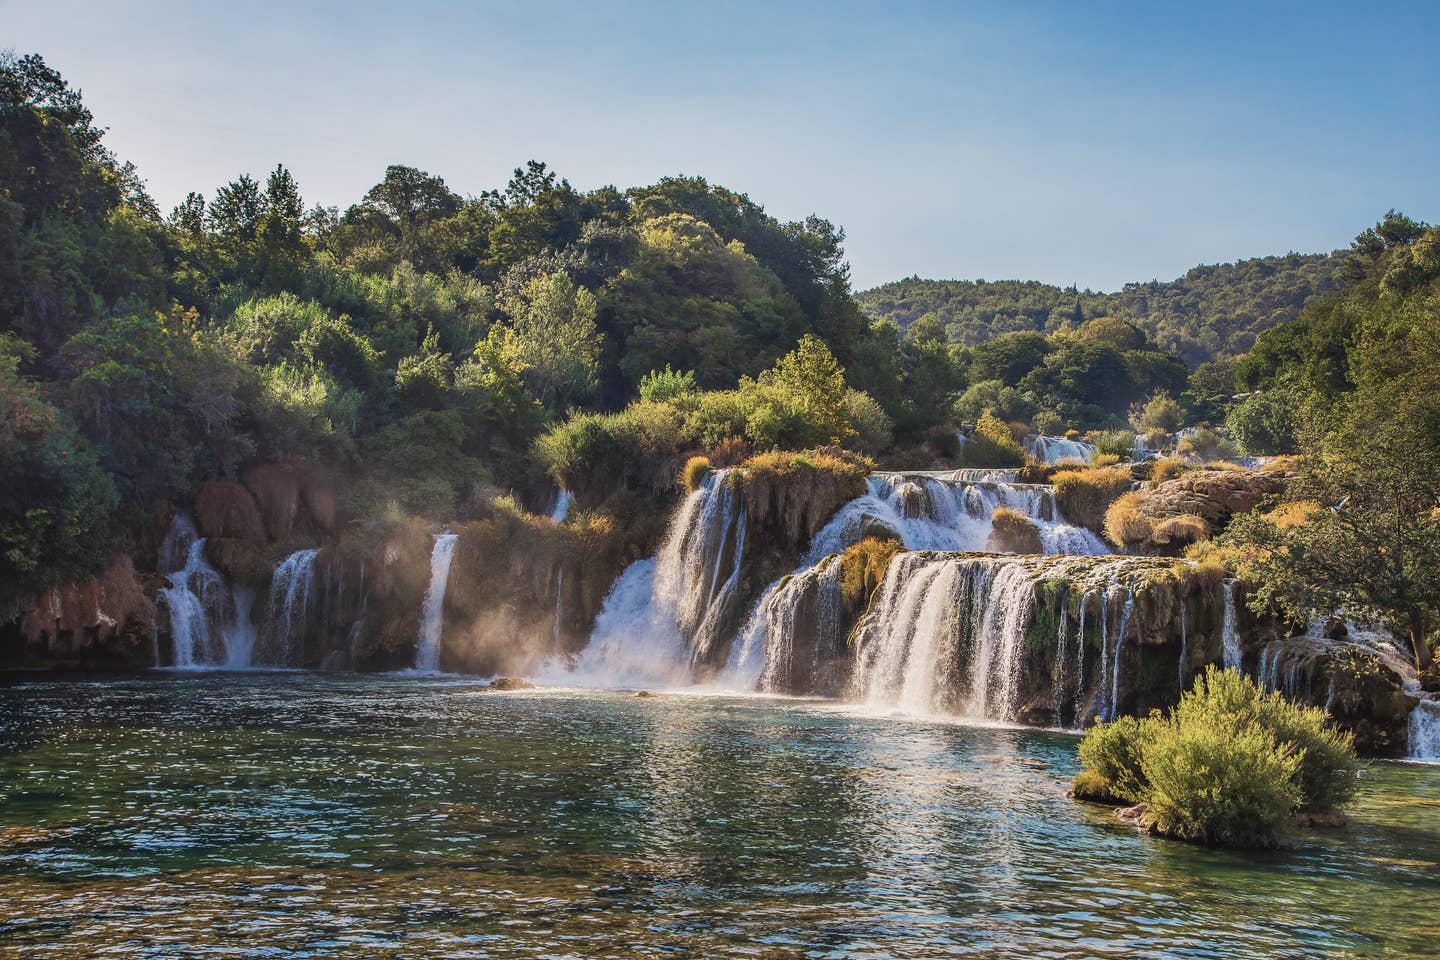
[(1212, 311)]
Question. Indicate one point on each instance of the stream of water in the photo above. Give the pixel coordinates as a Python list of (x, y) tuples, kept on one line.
[(302, 815)]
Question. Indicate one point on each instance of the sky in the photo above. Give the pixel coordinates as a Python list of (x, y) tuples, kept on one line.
[(1089, 143)]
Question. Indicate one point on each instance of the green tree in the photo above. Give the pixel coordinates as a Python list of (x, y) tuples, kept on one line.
[(812, 377), (553, 326)]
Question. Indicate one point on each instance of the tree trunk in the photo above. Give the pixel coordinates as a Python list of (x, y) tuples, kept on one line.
[(1419, 643)]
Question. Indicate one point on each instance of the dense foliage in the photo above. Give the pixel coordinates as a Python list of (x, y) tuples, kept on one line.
[(1354, 382), (419, 341), (1213, 311), (1230, 765)]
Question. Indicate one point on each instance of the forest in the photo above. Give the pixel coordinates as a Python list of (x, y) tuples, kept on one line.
[(444, 353), (1214, 311)]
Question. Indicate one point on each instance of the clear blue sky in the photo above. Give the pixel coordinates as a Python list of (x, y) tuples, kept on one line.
[(1092, 143)]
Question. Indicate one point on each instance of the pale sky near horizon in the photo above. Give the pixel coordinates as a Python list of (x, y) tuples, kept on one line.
[(1093, 143)]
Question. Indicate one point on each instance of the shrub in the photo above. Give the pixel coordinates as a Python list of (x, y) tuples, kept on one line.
[(991, 444), (1228, 784), (1119, 443), (1229, 766), (943, 441), (1084, 495), (1014, 532), (695, 472), (1111, 755), (1207, 444), (1328, 769), (862, 569), (1126, 524), (871, 426), (1048, 422), (660, 386)]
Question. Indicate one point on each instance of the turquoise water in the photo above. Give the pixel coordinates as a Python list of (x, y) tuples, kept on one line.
[(278, 815)]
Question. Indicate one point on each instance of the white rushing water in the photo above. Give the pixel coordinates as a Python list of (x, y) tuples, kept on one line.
[(664, 617), (209, 620), (936, 512), (1230, 631), (283, 640), (561, 510), (1424, 730), (1056, 449), (432, 614)]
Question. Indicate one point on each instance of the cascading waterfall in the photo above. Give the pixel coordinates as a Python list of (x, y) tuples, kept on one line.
[(1120, 634), (1055, 449), (665, 617), (1079, 704), (1230, 632), (791, 632), (209, 620), (432, 616), (939, 512), (290, 588), (1062, 652), (1424, 730), (561, 509), (700, 564)]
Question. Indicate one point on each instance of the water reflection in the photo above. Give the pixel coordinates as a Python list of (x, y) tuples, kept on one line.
[(414, 817)]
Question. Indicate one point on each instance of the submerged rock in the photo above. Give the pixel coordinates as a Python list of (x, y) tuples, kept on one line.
[(511, 683)]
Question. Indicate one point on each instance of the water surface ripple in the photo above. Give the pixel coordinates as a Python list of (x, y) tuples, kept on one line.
[(294, 815)]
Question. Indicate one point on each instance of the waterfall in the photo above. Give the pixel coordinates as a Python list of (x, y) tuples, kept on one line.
[(290, 588), (1120, 633), (432, 616), (1080, 643), (919, 600), (1424, 730), (1184, 646), (948, 512), (559, 603), (792, 632), (995, 665), (1230, 632), (561, 509), (634, 644), (1055, 449), (357, 627), (1062, 656), (674, 608), (950, 633), (209, 620)]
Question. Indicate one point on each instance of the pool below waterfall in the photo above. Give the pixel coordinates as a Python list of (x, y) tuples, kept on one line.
[(288, 814)]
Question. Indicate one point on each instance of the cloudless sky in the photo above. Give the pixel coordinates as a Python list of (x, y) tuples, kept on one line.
[(1073, 142)]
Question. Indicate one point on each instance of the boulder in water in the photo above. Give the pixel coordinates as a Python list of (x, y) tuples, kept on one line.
[(511, 683)]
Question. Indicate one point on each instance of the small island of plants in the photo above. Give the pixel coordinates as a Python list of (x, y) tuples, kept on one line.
[(1230, 765)]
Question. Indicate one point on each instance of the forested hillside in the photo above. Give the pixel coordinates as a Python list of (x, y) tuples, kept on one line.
[(1213, 311)]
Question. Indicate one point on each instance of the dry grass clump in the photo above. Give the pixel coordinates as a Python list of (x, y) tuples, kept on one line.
[(862, 569), (1084, 495), (1178, 531), (1293, 513), (695, 471), (1167, 468), (1014, 532), (1126, 524)]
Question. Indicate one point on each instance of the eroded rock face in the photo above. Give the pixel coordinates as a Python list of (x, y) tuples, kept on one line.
[(106, 619), (1213, 495), (225, 509)]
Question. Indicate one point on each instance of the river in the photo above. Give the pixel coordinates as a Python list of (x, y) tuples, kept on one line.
[(292, 814)]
